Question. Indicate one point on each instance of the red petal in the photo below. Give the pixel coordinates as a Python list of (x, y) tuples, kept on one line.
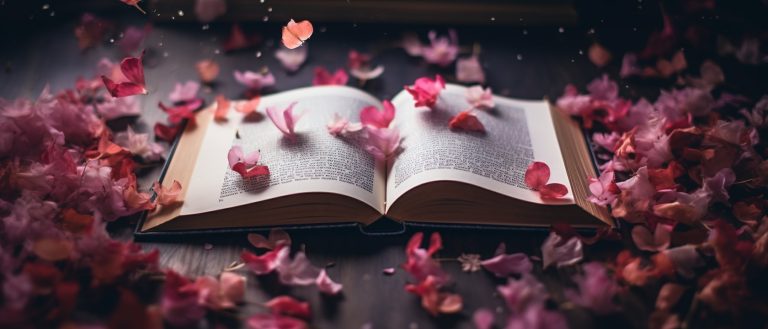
[(133, 69), (123, 89), (537, 175), (287, 305), (248, 173), (414, 243), (466, 120), (553, 191), (435, 243), (166, 133)]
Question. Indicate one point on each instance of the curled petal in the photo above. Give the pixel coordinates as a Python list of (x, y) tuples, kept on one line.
[(466, 120), (326, 285), (504, 265), (285, 120), (560, 252)]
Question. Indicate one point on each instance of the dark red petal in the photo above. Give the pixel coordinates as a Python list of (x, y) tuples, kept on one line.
[(248, 173), (553, 191), (133, 69), (166, 133), (537, 175)]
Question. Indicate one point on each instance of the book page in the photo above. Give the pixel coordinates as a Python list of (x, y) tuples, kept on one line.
[(314, 161), (517, 133)]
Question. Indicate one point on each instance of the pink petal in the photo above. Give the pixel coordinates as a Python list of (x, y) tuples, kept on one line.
[(292, 59), (326, 285), (483, 318), (267, 262), (371, 116), (284, 119), (297, 271), (425, 91), (255, 81), (388, 271), (365, 74), (470, 70), (184, 92), (479, 98), (560, 252), (537, 175), (412, 45), (338, 125), (235, 155), (504, 265), (382, 142)]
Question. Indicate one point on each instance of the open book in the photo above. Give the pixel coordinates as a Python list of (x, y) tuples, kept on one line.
[(439, 176)]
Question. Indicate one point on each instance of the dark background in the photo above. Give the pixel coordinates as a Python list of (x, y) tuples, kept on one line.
[(531, 49)]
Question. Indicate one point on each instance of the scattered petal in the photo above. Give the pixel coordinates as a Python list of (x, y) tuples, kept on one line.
[(324, 78), (184, 92), (296, 33), (466, 120), (255, 81), (371, 116), (469, 70), (246, 165), (480, 98), (425, 91), (285, 120), (560, 252), (292, 59), (133, 72), (326, 285)]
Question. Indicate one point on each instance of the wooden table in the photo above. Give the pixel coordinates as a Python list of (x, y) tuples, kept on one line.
[(520, 62)]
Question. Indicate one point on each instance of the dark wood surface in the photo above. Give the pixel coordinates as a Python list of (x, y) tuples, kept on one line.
[(520, 62)]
